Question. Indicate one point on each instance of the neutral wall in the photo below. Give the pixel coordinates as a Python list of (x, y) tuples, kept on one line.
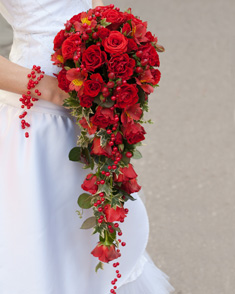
[(188, 166)]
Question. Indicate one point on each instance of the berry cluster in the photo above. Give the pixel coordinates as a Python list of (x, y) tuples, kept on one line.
[(27, 99)]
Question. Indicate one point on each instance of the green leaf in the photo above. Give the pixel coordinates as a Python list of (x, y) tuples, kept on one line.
[(89, 223), (84, 200), (104, 23), (136, 154), (104, 137), (67, 67), (99, 265), (125, 160), (104, 188), (75, 154)]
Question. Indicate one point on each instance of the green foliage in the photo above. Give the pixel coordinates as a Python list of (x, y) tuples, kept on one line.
[(100, 265), (136, 154), (89, 223), (85, 200), (75, 154)]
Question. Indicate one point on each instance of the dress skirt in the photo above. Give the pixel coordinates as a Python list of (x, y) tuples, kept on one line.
[(42, 248)]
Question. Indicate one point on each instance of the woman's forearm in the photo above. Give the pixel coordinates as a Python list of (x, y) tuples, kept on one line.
[(13, 78), (97, 3)]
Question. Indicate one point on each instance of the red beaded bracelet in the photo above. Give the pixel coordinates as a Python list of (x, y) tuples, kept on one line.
[(27, 99)]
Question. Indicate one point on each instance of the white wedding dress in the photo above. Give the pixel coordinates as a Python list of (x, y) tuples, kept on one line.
[(42, 248)]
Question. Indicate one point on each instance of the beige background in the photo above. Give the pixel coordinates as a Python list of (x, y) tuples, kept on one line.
[(188, 169)]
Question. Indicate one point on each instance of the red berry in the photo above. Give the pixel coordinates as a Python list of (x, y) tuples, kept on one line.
[(102, 182), (129, 154), (111, 75), (123, 244), (119, 233)]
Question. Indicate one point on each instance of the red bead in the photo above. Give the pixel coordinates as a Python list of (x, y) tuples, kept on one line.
[(101, 194), (102, 182), (119, 276), (26, 134), (119, 233), (114, 166), (123, 244), (100, 220)]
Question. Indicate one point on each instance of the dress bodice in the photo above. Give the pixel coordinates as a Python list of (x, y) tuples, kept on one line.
[(35, 24)]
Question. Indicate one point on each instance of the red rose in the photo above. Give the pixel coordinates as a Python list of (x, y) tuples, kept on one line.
[(156, 75), (131, 186), (115, 17), (150, 36), (127, 173), (96, 148), (134, 133), (132, 46), (89, 184), (103, 33), (116, 42), (105, 253), (150, 53), (93, 86), (91, 129), (85, 100), (118, 138), (70, 46), (114, 215), (59, 39), (128, 95), (126, 28), (103, 117), (63, 82), (122, 65), (93, 57)]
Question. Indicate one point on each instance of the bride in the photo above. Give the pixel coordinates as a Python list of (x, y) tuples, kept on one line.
[(42, 248)]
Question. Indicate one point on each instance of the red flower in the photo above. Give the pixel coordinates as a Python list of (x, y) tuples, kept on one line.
[(76, 17), (59, 39), (70, 46), (131, 186), (118, 138), (103, 117), (130, 113), (93, 86), (115, 17), (103, 33), (77, 80), (91, 129), (122, 65), (85, 100), (133, 132), (63, 82), (96, 148), (105, 253), (89, 184), (156, 75), (127, 173), (93, 57), (114, 215), (126, 28), (128, 95), (132, 46), (150, 53), (57, 58), (116, 42)]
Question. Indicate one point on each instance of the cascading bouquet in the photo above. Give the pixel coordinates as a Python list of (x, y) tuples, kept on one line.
[(107, 59)]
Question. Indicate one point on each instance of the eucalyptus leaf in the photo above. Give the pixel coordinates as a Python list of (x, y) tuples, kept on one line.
[(89, 223), (136, 154), (84, 200)]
